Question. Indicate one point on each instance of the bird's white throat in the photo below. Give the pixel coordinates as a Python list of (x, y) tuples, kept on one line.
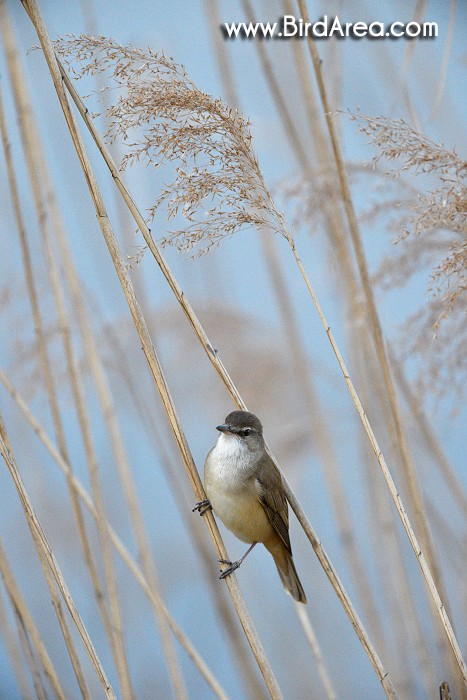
[(232, 454)]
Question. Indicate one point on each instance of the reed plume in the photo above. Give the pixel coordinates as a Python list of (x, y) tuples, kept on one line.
[(432, 234), (161, 115)]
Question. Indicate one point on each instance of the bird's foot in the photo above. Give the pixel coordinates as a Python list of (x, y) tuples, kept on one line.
[(232, 565), (202, 506)]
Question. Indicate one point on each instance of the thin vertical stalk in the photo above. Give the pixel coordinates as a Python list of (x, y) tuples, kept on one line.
[(55, 599), (37, 165), (420, 7), (417, 501), (115, 628), (116, 638), (316, 651), (211, 11), (121, 459), (290, 130), (443, 72), (156, 370), (372, 311), (387, 474), (31, 660), (402, 601), (352, 295), (38, 325), (42, 542), (62, 622), (452, 481), (322, 441), (58, 607), (14, 651)]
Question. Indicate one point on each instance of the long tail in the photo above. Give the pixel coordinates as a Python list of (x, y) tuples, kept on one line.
[(288, 574)]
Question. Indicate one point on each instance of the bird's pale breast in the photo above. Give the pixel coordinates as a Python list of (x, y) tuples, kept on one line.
[(233, 497)]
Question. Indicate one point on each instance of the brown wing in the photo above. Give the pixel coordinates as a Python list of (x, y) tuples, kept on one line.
[(271, 495)]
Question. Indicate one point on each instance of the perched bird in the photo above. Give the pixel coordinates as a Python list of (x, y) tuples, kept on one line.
[(245, 489)]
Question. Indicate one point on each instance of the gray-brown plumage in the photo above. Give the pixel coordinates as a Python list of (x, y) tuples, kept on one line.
[(245, 490)]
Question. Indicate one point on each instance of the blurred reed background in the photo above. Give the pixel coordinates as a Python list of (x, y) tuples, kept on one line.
[(109, 400)]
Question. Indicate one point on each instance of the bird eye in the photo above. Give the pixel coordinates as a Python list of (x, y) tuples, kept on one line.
[(246, 432)]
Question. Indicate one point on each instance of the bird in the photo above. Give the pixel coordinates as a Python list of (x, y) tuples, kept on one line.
[(245, 490)]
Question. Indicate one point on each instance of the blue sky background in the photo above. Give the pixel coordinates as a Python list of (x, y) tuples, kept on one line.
[(231, 292)]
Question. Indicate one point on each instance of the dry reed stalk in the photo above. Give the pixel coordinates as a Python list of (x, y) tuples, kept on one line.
[(372, 312), (335, 227), (38, 325), (58, 609), (393, 570), (156, 370), (62, 622), (55, 599), (30, 658), (352, 295), (113, 627), (110, 417), (403, 88), (28, 635), (375, 323), (213, 18), (120, 455), (28, 273), (37, 160), (213, 356), (420, 152), (316, 651), (453, 542), (443, 71), (388, 477), (398, 582), (14, 651), (417, 16), (379, 345), (336, 231), (450, 477), (120, 548), (287, 121), (322, 441), (39, 329), (41, 542), (402, 622), (116, 631)]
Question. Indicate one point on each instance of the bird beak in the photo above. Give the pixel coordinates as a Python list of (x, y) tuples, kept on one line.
[(223, 428)]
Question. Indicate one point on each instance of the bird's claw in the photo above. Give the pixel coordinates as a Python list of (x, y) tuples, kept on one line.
[(202, 506), (232, 565)]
